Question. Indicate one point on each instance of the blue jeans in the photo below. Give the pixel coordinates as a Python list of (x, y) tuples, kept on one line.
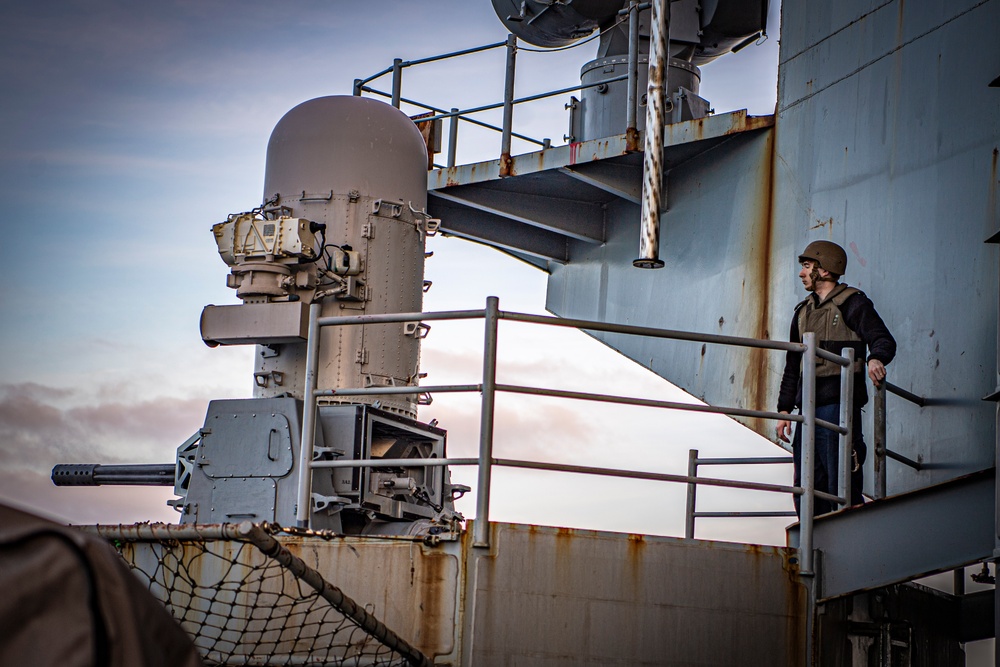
[(827, 458)]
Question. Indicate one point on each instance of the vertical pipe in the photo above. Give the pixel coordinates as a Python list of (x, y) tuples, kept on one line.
[(631, 113), (880, 444), (508, 106), (357, 87), (808, 475), (691, 495), (846, 419), (652, 162), (453, 138), (481, 528), (397, 81), (958, 582), (308, 439)]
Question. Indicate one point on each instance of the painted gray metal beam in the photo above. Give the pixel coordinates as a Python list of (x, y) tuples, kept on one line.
[(621, 180), (674, 135), (903, 537), (493, 230), (579, 220)]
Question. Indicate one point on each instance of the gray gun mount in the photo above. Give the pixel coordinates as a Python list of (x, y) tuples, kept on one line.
[(242, 465)]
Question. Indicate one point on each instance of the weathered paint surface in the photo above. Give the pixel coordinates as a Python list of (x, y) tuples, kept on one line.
[(887, 132), (545, 596), (716, 245), (555, 596), (581, 152)]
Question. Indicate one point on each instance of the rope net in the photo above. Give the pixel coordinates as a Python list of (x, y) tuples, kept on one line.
[(241, 606)]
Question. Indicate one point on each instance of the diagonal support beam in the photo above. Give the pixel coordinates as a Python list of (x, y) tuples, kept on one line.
[(577, 220), (476, 225), (621, 180)]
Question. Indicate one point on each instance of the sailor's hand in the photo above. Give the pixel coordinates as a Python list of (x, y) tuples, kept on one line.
[(784, 428), (876, 371)]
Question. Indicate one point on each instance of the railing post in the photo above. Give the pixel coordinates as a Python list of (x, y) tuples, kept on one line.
[(397, 81), (846, 420), (308, 440), (880, 444), (453, 138), (481, 527), (357, 87), (691, 494), (631, 115), (508, 107), (652, 159), (808, 475)]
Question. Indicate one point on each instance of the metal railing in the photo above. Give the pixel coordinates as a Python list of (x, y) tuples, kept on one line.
[(488, 388), (691, 513), (882, 452), (455, 115)]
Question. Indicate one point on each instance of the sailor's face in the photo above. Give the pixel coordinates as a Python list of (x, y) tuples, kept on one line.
[(809, 274)]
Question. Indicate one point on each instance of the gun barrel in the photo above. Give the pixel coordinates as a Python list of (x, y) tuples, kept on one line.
[(95, 474)]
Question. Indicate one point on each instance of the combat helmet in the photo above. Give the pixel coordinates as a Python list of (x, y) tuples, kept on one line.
[(828, 255)]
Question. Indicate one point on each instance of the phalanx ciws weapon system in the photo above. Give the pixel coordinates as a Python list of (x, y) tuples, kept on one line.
[(343, 224)]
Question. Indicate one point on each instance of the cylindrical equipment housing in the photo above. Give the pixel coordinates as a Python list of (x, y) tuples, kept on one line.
[(360, 167), (604, 108)]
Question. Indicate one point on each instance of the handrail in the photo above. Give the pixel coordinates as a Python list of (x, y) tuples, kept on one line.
[(882, 451), (909, 396), (489, 387), (694, 461), (509, 101)]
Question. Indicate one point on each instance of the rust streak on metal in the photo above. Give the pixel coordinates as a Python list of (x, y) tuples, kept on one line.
[(632, 140), (434, 588), (506, 165), (755, 384), (428, 131)]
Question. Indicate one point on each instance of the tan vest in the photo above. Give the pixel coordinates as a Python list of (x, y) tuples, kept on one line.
[(827, 322)]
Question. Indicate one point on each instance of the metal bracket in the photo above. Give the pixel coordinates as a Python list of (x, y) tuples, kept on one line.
[(305, 197), (264, 378), (418, 330), (328, 504), (431, 226), (395, 208), (327, 453)]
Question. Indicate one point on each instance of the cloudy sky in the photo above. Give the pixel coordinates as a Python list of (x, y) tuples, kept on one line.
[(127, 129)]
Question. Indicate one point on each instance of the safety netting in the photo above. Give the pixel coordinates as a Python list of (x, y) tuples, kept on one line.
[(246, 600)]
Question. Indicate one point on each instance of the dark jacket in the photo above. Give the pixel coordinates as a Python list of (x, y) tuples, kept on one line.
[(860, 315)]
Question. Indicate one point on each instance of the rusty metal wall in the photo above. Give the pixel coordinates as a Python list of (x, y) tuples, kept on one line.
[(546, 596), (556, 596)]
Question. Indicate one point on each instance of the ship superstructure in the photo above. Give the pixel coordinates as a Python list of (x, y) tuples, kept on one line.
[(693, 240)]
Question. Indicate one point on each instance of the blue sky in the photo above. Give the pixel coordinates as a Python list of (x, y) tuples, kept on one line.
[(128, 129)]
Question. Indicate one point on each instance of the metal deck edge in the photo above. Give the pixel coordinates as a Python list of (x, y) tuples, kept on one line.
[(675, 134)]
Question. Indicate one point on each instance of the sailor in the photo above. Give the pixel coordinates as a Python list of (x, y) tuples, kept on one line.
[(840, 316)]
